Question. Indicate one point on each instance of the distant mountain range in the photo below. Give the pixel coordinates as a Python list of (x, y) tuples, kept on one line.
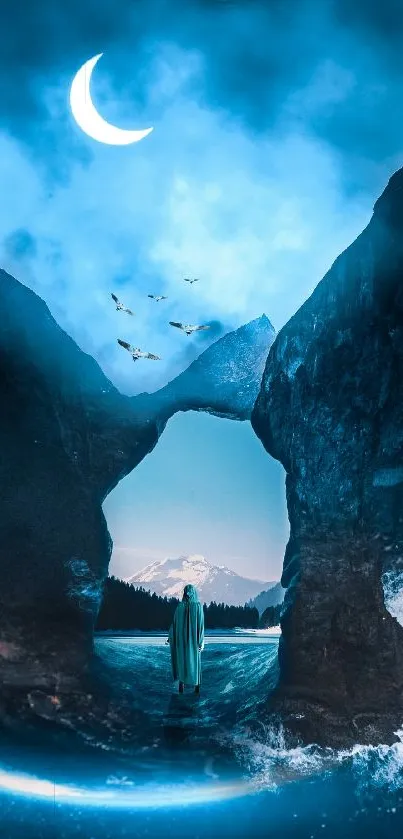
[(217, 583), (271, 597)]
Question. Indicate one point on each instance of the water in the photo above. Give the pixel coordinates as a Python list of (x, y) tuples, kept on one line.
[(191, 766)]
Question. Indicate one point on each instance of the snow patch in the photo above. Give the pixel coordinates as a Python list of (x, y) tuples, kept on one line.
[(271, 630)]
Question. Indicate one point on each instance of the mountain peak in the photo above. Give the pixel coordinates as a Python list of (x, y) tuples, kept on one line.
[(168, 578), (224, 380), (262, 321)]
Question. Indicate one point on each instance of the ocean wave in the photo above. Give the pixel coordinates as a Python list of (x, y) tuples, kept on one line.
[(377, 766), (268, 761), (392, 582)]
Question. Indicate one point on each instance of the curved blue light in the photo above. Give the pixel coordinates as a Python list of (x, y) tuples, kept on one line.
[(152, 796)]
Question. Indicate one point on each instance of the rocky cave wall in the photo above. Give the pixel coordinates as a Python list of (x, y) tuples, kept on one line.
[(67, 437), (331, 411)]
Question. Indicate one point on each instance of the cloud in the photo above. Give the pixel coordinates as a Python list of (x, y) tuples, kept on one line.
[(127, 560), (195, 344), (255, 54), (216, 330), (20, 244), (265, 161)]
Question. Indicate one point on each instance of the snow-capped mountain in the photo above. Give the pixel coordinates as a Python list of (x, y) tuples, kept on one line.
[(168, 577)]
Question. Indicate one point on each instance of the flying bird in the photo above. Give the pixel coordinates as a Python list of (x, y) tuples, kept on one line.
[(187, 327), (136, 353), (187, 280), (157, 297), (119, 306)]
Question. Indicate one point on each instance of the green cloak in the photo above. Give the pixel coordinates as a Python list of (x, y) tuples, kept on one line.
[(186, 638)]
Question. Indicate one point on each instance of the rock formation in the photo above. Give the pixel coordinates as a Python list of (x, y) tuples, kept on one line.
[(331, 411), (224, 380), (67, 437)]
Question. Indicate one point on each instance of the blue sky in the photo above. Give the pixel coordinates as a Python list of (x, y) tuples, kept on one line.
[(233, 510), (276, 126)]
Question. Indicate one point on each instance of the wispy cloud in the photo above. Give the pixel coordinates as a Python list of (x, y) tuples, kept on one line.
[(259, 217)]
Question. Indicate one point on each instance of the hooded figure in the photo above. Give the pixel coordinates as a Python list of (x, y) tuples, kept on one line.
[(186, 639)]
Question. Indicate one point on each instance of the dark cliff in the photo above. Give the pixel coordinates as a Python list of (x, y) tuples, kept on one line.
[(331, 410), (67, 437)]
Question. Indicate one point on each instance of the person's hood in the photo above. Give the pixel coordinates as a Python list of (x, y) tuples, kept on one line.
[(189, 593)]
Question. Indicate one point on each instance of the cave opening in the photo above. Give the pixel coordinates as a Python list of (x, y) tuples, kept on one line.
[(208, 488), (207, 491)]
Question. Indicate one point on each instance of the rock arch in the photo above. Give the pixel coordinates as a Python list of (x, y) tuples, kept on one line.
[(67, 438)]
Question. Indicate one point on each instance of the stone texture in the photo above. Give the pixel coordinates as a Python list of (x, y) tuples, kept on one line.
[(331, 410), (224, 380), (67, 437)]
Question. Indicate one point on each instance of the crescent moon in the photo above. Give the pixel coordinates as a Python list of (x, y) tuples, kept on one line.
[(87, 116)]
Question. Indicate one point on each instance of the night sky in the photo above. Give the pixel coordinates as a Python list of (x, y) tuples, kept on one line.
[(276, 126)]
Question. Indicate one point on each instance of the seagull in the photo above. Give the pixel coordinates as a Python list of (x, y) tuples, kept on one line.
[(119, 306), (136, 352), (195, 280), (157, 297), (186, 327)]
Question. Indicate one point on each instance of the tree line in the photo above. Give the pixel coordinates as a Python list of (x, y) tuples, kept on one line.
[(126, 607), (270, 616)]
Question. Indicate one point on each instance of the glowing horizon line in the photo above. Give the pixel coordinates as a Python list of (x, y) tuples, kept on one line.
[(157, 797)]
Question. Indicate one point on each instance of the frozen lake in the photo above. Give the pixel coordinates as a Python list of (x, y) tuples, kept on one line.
[(159, 639)]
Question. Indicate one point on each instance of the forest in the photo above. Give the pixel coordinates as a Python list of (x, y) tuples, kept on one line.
[(126, 607), (270, 616)]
